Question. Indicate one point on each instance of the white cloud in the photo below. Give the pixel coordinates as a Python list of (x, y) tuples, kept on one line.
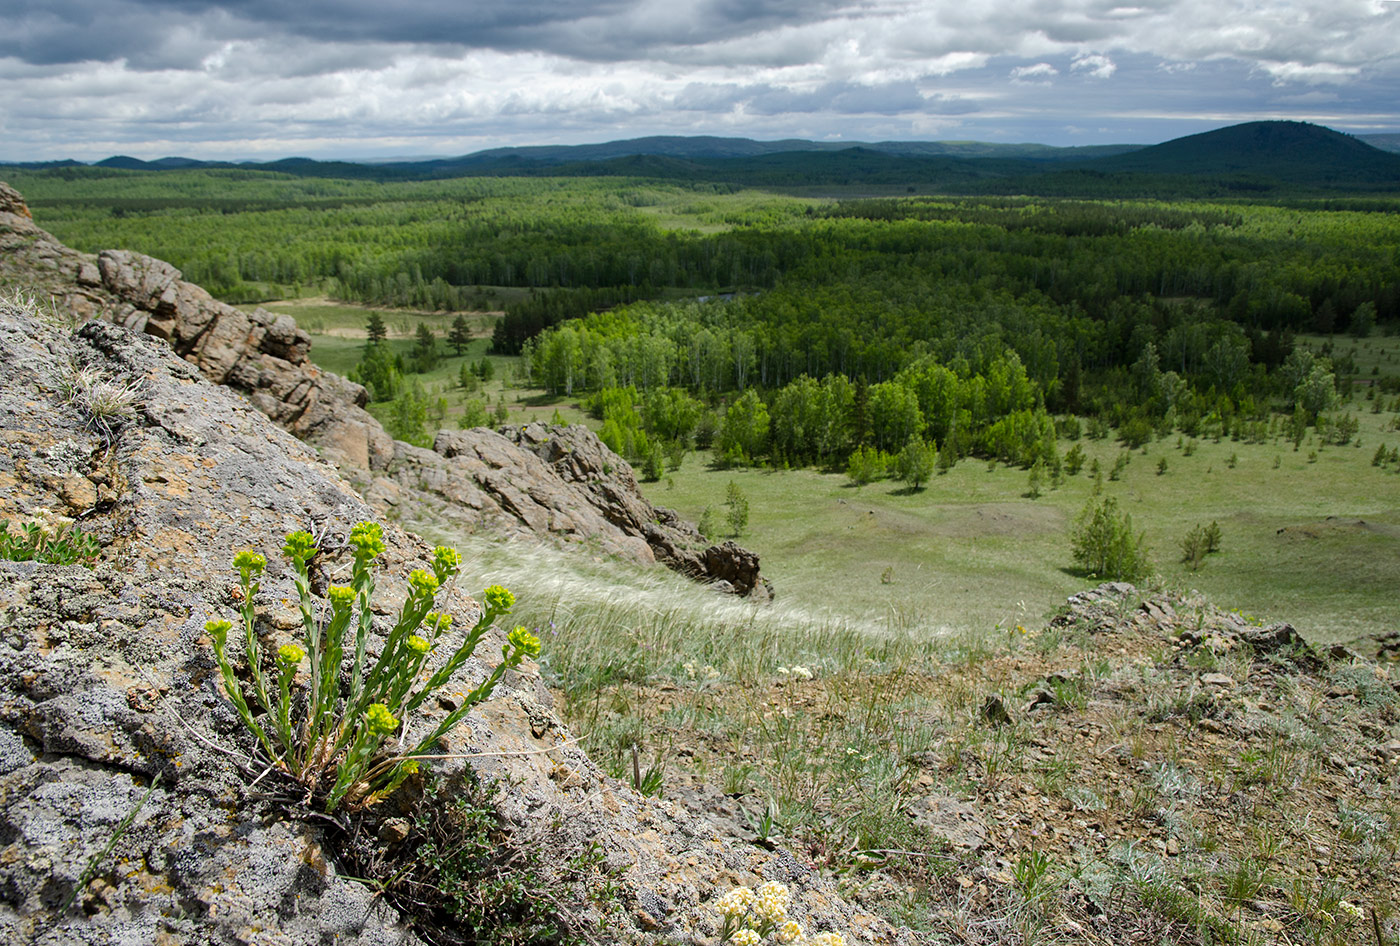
[(1040, 73), (1094, 66), (215, 74)]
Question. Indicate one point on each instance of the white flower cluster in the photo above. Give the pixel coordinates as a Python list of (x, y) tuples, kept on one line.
[(772, 905), (750, 917), (797, 671), (736, 903), (707, 673)]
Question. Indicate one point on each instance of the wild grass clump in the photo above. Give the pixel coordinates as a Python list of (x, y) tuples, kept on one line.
[(106, 404), (333, 739)]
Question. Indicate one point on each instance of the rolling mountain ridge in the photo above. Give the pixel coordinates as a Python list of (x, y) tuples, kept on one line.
[(1250, 158)]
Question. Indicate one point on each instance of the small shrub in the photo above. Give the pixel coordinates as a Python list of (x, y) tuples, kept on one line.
[(738, 514), (53, 545), (1213, 537), (330, 736), (1105, 546), (474, 414), (1119, 465), (866, 465), (914, 464), (1035, 480), (1074, 459), (707, 524), (1193, 547)]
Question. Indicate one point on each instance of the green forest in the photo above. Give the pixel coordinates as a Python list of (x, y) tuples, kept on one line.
[(808, 331)]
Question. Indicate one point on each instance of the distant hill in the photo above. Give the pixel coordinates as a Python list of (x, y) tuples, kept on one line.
[(1295, 152), (705, 147), (1255, 158), (126, 163), (693, 147), (1252, 159)]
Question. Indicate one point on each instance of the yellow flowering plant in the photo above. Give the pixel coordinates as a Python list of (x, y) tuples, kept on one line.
[(340, 731)]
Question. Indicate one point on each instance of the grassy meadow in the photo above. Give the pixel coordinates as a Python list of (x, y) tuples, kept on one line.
[(1310, 536), (1313, 541)]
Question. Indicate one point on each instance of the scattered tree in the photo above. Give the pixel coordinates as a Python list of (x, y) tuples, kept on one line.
[(1074, 459), (914, 464), (738, 506), (474, 414), (380, 371), (375, 330), (424, 356), (1105, 546), (460, 336), (1035, 480)]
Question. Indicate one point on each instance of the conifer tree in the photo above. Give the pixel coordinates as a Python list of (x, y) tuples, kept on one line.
[(425, 353), (460, 336), (375, 329)]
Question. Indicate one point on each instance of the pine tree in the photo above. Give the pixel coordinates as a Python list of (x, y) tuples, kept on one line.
[(375, 329), (738, 514), (460, 336), (425, 354)]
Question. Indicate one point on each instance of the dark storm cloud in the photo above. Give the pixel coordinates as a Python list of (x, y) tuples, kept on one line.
[(55, 31)]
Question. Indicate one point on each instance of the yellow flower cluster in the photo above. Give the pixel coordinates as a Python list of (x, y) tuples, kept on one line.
[(790, 932)]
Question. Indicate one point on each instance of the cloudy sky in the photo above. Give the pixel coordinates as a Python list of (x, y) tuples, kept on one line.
[(264, 79)]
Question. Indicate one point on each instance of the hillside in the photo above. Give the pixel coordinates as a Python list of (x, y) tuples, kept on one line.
[(1294, 152), (130, 810), (1140, 766)]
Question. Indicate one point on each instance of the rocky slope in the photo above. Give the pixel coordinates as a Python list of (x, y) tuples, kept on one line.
[(126, 778), (513, 483)]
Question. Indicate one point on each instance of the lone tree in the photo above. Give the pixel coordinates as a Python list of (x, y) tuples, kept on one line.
[(1105, 545), (425, 353), (738, 514), (460, 336), (375, 329), (914, 464)]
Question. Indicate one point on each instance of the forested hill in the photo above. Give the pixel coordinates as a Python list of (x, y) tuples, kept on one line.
[(1252, 159), (1288, 151)]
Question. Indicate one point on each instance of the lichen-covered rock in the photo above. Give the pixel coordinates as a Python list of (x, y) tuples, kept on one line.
[(126, 779)]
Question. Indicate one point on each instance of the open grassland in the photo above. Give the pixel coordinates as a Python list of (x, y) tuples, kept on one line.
[(1135, 768), (1314, 540), (1310, 535)]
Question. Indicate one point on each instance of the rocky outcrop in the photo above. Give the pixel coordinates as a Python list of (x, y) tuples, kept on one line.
[(565, 481), (553, 483), (126, 779)]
